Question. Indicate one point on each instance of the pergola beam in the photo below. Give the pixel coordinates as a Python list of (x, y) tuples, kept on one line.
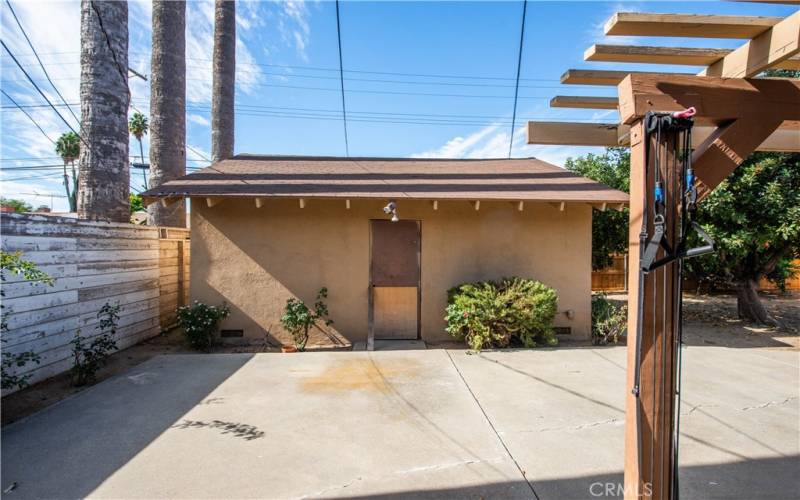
[(786, 138), (717, 100), (599, 76), (682, 56), (688, 25), (689, 56), (566, 133), (771, 49), (584, 102)]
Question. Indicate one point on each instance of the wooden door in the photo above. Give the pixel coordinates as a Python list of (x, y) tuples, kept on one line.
[(394, 279)]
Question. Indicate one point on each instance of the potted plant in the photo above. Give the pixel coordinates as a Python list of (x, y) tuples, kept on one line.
[(298, 319)]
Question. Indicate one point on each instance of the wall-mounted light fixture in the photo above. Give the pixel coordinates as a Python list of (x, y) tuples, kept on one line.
[(391, 208)]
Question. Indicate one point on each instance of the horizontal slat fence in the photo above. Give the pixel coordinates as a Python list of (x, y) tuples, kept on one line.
[(613, 278), (92, 263), (173, 273)]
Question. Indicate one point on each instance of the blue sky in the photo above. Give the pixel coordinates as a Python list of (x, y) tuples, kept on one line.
[(421, 78)]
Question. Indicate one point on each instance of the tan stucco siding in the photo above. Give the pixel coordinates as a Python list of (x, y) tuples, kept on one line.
[(255, 258)]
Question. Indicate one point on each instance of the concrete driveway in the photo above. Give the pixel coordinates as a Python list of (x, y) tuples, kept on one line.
[(429, 424)]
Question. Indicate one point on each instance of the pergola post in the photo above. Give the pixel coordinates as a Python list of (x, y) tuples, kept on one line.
[(649, 418)]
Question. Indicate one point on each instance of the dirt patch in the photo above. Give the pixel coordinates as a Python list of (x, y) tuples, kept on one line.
[(712, 320)]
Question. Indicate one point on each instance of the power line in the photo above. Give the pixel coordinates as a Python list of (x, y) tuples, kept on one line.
[(519, 67), (26, 114), (30, 44), (201, 155), (42, 94), (316, 68), (341, 80)]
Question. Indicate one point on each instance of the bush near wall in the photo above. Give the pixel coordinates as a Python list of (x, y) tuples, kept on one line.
[(512, 312)]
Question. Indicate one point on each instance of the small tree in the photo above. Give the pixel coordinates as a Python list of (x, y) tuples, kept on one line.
[(754, 217), (298, 318), (137, 205), (609, 228), (138, 127), (68, 147)]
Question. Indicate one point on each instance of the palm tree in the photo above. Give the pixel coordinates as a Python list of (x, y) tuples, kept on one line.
[(68, 147), (104, 182), (138, 126), (168, 106), (223, 80)]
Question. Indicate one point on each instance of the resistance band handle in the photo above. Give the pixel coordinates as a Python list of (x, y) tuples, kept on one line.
[(695, 252), (686, 113)]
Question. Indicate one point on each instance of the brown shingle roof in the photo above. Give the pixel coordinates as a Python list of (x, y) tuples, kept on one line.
[(325, 177)]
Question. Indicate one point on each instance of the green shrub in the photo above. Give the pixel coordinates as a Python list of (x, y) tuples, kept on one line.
[(511, 312), (298, 318), (89, 357), (609, 320), (199, 322)]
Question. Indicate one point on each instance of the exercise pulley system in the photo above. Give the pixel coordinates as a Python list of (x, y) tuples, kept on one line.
[(673, 178)]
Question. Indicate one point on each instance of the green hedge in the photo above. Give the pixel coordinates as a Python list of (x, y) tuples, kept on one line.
[(512, 312)]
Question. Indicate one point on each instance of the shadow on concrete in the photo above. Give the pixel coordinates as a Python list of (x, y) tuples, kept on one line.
[(70, 448), (245, 431), (766, 478)]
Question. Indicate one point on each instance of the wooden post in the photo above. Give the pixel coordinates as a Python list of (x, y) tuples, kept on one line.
[(649, 438)]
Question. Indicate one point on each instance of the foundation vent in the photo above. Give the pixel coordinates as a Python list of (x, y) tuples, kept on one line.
[(563, 330)]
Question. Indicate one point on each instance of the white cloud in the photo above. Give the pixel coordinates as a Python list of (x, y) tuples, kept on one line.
[(492, 142), (293, 25), (200, 120), (200, 50), (459, 147)]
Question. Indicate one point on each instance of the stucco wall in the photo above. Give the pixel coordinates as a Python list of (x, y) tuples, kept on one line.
[(256, 258)]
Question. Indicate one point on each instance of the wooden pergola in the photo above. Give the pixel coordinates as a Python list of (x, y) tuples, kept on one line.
[(737, 113)]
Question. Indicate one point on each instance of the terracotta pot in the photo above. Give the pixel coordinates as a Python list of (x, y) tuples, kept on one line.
[(288, 348)]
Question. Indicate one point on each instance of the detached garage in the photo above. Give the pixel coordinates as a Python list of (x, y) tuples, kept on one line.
[(387, 237)]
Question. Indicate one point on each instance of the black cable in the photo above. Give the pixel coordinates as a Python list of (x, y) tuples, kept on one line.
[(201, 155), (26, 114), (30, 44), (519, 67), (341, 80), (42, 94)]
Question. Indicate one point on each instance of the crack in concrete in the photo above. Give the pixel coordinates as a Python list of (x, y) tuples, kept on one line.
[(697, 407), (769, 403), (414, 470), (588, 425)]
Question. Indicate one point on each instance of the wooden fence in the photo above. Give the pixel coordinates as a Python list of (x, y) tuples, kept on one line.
[(143, 269), (615, 278)]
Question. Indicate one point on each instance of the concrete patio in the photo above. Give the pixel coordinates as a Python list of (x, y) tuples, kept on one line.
[(425, 424)]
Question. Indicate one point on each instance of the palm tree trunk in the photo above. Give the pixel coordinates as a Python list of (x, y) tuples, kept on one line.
[(66, 187), (168, 107), (104, 185), (73, 198), (223, 80), (141, 156)]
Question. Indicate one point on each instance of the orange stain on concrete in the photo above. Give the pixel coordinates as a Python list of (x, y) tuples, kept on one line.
[(361, 375)]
